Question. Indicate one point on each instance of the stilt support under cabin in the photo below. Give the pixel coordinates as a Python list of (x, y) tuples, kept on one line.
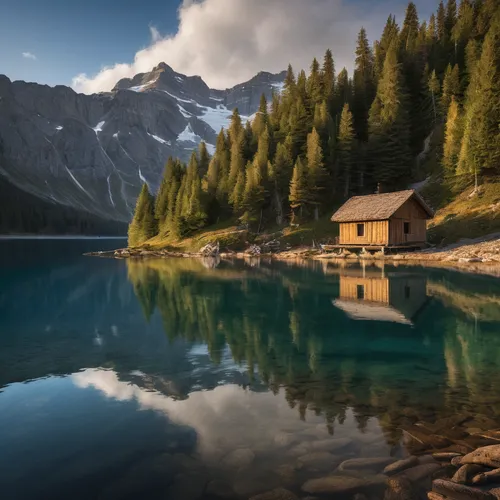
[(363, 249)]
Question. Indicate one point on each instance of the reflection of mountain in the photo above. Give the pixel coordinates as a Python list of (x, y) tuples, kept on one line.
[(396, 297)]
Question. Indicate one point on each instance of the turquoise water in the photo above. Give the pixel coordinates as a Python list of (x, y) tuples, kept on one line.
[(204, 379)]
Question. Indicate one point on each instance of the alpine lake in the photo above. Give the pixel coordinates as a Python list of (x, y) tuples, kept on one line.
[(208, 379)]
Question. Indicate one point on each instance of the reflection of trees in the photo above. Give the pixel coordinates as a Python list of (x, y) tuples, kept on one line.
[(280, 322)]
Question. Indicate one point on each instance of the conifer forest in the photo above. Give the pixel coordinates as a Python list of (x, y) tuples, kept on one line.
[(330, 135)]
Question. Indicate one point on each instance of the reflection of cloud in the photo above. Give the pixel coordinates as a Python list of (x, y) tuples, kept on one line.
[(224, 418)]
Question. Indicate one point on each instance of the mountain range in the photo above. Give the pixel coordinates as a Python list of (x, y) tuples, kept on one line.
[(92, 153)]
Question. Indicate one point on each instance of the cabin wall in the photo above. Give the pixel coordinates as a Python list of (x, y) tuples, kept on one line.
[(374, 289), (376, 233), (408, 294), (416, 216)]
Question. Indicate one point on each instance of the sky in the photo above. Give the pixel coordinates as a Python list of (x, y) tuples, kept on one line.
[(91, 44)]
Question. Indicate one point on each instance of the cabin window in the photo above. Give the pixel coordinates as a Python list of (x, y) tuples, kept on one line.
[(407, 227), (361, 229), (407, 292), (360, 292)]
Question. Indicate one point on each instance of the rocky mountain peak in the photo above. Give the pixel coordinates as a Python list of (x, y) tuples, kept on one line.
[(94, 152)]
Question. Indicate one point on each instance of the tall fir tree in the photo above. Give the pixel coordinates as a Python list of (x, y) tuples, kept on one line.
[(363, 85), (451, 87), (316, 174), (204, 158), (434, 89), (389, 127), (280, 176), (314, 84), (143, 225), (261, 120), (345, 146), (298, 187), (453, 138), (390, 33), (480, 151), (328, 79)]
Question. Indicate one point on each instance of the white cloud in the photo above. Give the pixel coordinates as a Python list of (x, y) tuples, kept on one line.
[(29, 55), (228, 41)]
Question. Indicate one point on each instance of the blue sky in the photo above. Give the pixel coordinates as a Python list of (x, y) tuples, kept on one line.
[(71, 36), (225, 41)]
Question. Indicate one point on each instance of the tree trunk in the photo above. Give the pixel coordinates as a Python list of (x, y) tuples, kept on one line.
[(279, 208), (316, 213)]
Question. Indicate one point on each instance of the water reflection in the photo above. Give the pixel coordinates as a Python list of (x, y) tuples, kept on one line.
[(144, 377), (373, 295)]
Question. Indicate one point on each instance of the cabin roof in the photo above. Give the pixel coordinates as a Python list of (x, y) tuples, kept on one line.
[(377, 206), (371, 311)]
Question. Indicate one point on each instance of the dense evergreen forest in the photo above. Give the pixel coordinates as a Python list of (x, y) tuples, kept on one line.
[(23, 213), (328, 135)]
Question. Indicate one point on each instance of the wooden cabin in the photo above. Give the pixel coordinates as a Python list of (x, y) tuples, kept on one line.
[(395, 297), (384, 220)]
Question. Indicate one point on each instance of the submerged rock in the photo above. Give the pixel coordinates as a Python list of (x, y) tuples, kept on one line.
[(321, 460), (400, 488), (487, 455), (400, 465), (342, 484), (459, 491), (331, 444), (492, 476), (375, 464), (276, 494), (466, 472), (239, 458), (420, 472), (219, 488)]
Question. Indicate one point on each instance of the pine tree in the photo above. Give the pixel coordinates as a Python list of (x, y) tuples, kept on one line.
[(143, 225), (280, 176), (213, 177), (298, 187), (290, 87), (480, 151), (342, 91), (223, 159), (434, 89), (261, 120), (451, 16), (453, 138), (314, 90), (316, 174), (345, 146), (364, 85), (161, 201), (328, 79), (409, 32), (204, 158), (253, 195), (298, 126), (237, 136), (262, 156), (441, 23), (451, 87), (390, 33), (389, 126), (236, 197)]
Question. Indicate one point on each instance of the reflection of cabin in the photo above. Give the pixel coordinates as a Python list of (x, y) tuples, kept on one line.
[(383, 220), (396, 297)]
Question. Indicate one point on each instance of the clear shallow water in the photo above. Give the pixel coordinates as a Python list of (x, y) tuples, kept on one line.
[(190, 379)]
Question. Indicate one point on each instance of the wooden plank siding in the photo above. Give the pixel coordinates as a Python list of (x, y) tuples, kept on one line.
[(412, 213), (389, 232), (375, 289), (376, 233)]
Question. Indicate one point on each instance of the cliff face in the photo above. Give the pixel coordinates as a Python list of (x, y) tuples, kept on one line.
[(93, 152)]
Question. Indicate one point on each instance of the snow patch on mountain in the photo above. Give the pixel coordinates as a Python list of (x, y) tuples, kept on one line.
[(59, 127), (98, 127), (187, 135), (159, 139)]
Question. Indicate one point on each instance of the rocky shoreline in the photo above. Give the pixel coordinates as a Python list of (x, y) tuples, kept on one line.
[(477, 257)]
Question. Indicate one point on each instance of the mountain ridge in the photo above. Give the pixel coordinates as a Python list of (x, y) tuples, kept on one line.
[(93, 152)]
